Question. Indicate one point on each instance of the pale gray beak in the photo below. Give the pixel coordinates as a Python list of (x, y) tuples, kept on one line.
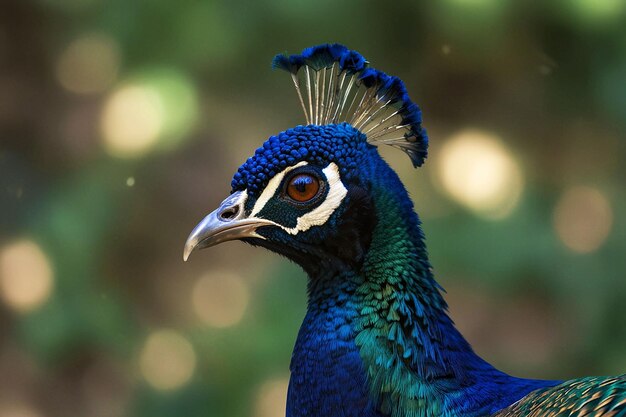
[(228, 222)]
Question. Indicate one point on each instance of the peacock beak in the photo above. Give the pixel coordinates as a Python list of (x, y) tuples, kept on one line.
[(228, 222)]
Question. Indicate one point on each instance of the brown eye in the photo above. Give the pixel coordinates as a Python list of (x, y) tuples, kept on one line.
[(303, 187)]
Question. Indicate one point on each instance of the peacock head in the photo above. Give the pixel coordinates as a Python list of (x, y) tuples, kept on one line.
[(310, 193)]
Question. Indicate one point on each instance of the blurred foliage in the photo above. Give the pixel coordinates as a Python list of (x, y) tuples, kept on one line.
[(121, 123)]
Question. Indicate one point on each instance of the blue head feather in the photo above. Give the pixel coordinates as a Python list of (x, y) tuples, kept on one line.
[(387, 89), (321, 56), (318, 145)]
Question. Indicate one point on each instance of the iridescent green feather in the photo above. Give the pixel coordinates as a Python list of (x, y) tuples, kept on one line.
[(591, 396)]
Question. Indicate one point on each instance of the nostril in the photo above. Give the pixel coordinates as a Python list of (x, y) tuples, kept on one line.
[(229, 213)]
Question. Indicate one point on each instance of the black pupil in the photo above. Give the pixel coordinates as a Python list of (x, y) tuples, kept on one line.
[(301, 182)]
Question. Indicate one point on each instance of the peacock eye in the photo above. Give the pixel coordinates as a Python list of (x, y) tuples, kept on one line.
[(303, 187)]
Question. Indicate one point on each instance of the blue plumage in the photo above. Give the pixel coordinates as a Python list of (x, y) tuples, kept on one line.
[(387, 90), (322, 56), (316, 144), (377, 340)]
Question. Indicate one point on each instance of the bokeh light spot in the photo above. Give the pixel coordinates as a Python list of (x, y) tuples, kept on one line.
[(271, 398), (155, 109), (130, 181), (132, 121), (476, 170), (26, 278), (220, 298), (583, 218), (89, 64), (167, 360), (598, 10)]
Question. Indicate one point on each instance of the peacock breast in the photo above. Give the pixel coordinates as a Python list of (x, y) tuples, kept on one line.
[(328, 377)]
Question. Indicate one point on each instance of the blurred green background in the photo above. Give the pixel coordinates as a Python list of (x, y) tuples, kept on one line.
[(122, 122)]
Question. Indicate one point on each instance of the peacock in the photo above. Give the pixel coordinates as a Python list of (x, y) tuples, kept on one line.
[(376, 339)]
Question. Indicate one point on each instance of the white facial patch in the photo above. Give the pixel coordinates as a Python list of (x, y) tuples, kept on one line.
[(271, 188), (319, 215), (316, 217)]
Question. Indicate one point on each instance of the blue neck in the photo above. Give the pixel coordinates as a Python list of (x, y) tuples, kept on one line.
[(328, 377), (377, 340), (332, 377)]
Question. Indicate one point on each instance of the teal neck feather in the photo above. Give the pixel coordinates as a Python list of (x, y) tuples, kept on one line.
[(391, 312)]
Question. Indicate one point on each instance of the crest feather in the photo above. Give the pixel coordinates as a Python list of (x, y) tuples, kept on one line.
[(335, 84)]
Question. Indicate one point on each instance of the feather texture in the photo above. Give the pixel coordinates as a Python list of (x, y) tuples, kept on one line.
[(377, 340), (335, 84), (591, 396)]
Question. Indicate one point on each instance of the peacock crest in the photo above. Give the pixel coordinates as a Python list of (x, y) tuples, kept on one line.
[(335, 85)]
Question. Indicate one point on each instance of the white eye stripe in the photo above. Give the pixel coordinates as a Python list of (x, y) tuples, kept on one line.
[(271, 188), (321, 213), (316, 217)]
